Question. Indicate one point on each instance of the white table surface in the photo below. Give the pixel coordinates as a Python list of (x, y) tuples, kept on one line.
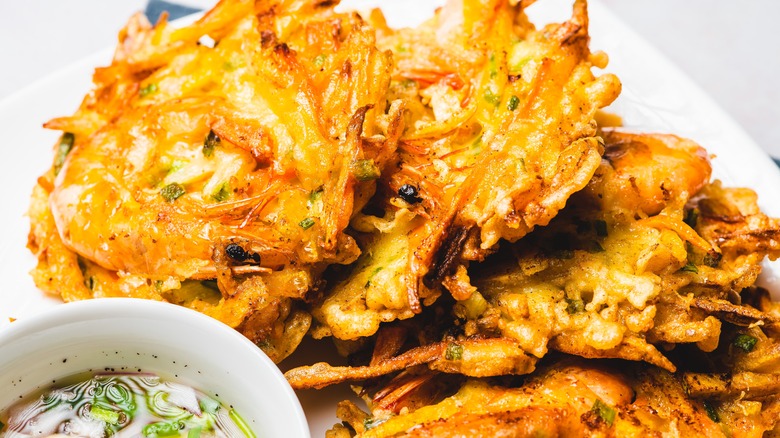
[(727, 47)]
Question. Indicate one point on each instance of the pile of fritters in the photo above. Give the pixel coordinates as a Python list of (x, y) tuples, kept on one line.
[(440, 201)]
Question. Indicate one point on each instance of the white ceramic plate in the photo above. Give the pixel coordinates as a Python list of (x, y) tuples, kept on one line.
[(656, 97)]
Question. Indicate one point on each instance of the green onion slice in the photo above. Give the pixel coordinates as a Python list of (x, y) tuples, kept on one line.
[(63, 149), (711, 412), (454, 352), (241, 424), (162, 428), (306, 223), (745, 342), (491, 98), (172, 192), (147, 90), (106, 415), (605, 411), (365, 170)]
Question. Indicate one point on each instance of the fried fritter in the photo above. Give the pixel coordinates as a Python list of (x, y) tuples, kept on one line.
[(438, 200), (235, 149), (572, 398), (632, 262), (500, 133), (636, 263)]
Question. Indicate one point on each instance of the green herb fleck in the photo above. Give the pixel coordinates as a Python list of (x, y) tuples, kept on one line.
[(711, 412), (514, 101), (212, 140), (574, 306), (63, 149), (408, 83), (373, 274), (691, 217), (365, 170), (316, 195), (493, 67), (172, 192), (605, 411), (241, 423), (745, 342), (370, 423), (319, 61), (491, 98), (147, 90), (228, 66), (222, 193), (600, 227), (690, 267), (306, 223), (194, 432), (105, 415), (454, 352)]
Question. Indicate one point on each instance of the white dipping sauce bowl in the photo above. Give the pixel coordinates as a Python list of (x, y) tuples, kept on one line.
[(126, 334)]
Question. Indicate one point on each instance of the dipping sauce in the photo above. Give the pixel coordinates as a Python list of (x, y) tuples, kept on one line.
[(122, 405)]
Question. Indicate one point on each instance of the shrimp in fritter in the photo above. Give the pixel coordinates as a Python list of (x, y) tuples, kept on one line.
[(647, 173), (612, 275), (240, 160), (182, 169), (500, 134)]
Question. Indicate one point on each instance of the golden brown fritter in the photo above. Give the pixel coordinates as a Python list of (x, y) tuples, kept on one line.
[(440, 201), (235, 149), (621, 272), (573, 398), (500, 132)]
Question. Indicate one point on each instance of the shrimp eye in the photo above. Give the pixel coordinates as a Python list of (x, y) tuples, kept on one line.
[(409, 193), (236, 253)]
